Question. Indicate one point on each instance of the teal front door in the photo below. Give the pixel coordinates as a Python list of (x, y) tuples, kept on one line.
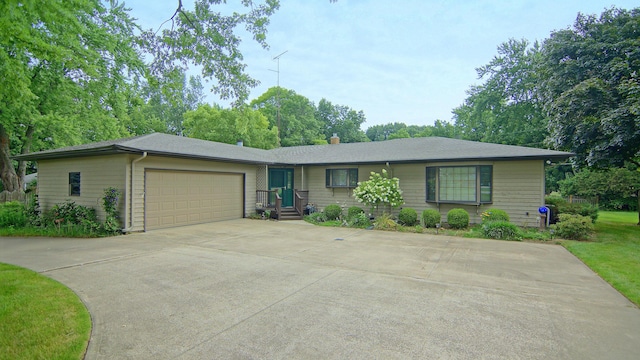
[(282, 179)]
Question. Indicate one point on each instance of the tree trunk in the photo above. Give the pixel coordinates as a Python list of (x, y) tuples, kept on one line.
[(7, 172), (26, 148)]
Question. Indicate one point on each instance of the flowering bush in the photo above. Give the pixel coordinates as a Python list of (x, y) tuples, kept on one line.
[(380, 189)]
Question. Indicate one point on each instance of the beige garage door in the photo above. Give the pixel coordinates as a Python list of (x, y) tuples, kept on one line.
[(177, 198)]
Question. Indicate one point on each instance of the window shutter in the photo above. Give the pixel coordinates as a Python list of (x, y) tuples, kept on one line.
[(328, 177)]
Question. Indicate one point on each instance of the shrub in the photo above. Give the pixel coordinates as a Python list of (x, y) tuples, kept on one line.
[(502, 230), (458, 218), (333, 211), (589, 210), (316, 218), (431, 217), (408, 217), (574, 227), (71, 213), (359, 220), (110, 205), (380, 189), (353, 211), (559, 205), (385, 222), (13, 214), (34, 214), (494, 215)]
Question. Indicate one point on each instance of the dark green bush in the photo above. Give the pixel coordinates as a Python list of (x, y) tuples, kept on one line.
[(458, 218), (316, 218), (333, 212), (574, 227), (353, 211), (34, 215), (431, 217), (71, 213), (502, 230), (13, 214), (559, 205), (359, 220), (494, 215), (408, 216)]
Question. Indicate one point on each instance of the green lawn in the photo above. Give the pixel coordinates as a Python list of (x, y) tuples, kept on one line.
[(40, 318), (614, 252)]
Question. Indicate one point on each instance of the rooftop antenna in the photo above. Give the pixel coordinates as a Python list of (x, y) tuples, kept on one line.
[(277, 57)]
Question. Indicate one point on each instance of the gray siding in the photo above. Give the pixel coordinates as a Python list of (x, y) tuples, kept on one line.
[(518, 188), (96, 174)]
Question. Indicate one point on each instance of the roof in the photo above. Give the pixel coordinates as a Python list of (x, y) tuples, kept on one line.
[(432, 149), (411, 150), (159, 144)]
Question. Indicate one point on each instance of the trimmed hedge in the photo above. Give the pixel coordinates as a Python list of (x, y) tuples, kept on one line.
[(458, 218), (431, 217), (408, 217), (333, 212)]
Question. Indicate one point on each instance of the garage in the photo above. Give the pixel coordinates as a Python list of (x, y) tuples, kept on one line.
[(178, 198)]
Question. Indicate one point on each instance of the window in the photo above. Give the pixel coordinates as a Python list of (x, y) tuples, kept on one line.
[(342, 178), (74, 183), (460, 184)]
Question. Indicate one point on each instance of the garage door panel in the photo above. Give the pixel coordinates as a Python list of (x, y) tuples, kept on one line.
[(176, 198)]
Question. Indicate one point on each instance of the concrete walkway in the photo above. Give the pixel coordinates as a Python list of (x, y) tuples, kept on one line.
[(249, 289)]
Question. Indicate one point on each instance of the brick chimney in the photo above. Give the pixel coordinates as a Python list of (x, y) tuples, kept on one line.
[(335, 139)]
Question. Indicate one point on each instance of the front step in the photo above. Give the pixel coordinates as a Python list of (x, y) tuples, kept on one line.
[(289, 214)]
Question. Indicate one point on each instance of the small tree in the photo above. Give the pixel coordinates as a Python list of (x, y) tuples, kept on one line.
[(380, 189)]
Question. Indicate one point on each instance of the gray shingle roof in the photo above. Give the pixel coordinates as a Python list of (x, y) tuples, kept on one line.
[(411, 150), (431, 149)]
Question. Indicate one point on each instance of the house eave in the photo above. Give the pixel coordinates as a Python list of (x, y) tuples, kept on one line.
[(426, 160)]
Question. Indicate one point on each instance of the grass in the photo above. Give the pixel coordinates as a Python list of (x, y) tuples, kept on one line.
[(75, 231), (40, 318), (614, 252)]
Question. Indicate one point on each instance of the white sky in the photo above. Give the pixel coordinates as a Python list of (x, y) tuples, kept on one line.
[(405, 61)]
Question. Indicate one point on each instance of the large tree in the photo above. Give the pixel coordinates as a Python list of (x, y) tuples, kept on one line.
[(591, 88), (63, 63), (505, 109), (70, 68), (292, 113), (341, 120), (214, 123), (171, 97)]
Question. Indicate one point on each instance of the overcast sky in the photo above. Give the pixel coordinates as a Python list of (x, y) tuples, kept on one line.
[(398, 61)]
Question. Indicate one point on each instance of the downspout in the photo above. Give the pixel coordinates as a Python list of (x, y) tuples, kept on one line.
[(132, 191)]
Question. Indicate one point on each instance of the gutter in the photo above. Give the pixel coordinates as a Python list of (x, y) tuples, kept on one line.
[(131, 193)]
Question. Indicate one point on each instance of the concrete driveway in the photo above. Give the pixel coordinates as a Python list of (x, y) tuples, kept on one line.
[(249, 289)]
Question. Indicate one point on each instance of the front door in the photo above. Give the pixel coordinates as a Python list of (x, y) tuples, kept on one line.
[(282, 180)]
